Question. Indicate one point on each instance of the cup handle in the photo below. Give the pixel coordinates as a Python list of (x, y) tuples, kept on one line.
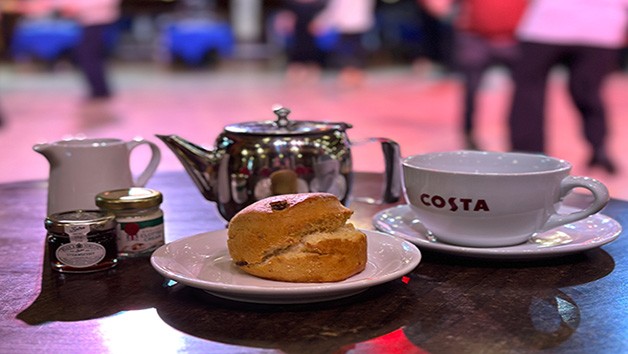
[(392, 172), (600, 196), (152, 165)]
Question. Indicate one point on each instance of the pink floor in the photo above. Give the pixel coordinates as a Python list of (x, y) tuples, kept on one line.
[(419, 111)]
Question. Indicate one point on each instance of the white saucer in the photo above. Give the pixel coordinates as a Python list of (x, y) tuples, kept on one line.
[(592, 232), (202, 261)]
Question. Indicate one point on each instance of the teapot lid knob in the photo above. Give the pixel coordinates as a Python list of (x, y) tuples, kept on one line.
[(282, 116)]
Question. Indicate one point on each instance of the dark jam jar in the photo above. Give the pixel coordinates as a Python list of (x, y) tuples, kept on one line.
[(82, 241)]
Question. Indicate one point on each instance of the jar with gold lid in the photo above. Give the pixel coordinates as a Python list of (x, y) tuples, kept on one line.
[(140, 220), (82, 241)]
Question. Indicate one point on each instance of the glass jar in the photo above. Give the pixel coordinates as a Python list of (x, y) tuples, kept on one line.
[(140, 221), (82, 241)]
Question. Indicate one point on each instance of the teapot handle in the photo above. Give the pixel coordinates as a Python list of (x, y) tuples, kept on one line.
[(392, 172)]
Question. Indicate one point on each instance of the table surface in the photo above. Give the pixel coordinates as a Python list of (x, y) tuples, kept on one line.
[(448, 304)]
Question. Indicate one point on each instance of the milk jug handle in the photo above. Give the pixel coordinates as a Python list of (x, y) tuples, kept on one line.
[(141, 180)]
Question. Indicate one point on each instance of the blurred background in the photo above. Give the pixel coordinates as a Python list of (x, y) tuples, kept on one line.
[(190, 67)]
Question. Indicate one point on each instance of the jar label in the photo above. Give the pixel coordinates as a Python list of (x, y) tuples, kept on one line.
[(140, 236), (77, 233), (81, 254)]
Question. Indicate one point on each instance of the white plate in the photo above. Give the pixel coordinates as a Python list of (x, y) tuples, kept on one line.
[(592, 232), (202, 261)]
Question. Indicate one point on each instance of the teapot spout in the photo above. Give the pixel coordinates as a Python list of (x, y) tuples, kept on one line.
[(201, 164)]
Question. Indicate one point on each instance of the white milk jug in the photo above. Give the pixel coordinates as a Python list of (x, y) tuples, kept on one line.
[(80, 169)]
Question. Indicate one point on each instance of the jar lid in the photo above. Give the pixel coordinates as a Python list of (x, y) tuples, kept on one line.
[(129, 198), (97, 220), (283, 126)]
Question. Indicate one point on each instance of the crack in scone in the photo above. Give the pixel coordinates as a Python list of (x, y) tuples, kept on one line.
[(309, 243)]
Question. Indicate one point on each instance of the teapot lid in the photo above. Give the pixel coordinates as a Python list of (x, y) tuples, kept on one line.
[(284, 126)]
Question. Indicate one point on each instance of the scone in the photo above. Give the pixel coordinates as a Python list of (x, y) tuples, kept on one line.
[(297, 238)]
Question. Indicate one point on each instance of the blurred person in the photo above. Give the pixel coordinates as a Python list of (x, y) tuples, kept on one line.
[(436, 48), (586, 37), (351, 19), (305, 58), (96, 18), (10, 13), (484, 37)]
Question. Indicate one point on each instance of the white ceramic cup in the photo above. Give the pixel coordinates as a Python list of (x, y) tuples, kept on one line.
[(80, 169), (493, 199)]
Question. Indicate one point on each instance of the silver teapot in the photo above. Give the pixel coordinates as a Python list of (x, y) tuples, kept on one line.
[(254, 160)]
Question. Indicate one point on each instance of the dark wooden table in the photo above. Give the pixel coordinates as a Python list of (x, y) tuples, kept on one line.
[(571, 304)]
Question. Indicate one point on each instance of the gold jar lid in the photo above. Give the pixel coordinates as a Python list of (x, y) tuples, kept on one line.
[(129, 198), (96, 220)]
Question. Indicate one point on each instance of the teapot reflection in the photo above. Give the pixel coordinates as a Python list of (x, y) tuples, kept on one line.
[(327, 178)]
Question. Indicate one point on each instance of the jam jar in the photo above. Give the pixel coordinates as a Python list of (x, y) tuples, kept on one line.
[(140, 221), (82, 241)]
